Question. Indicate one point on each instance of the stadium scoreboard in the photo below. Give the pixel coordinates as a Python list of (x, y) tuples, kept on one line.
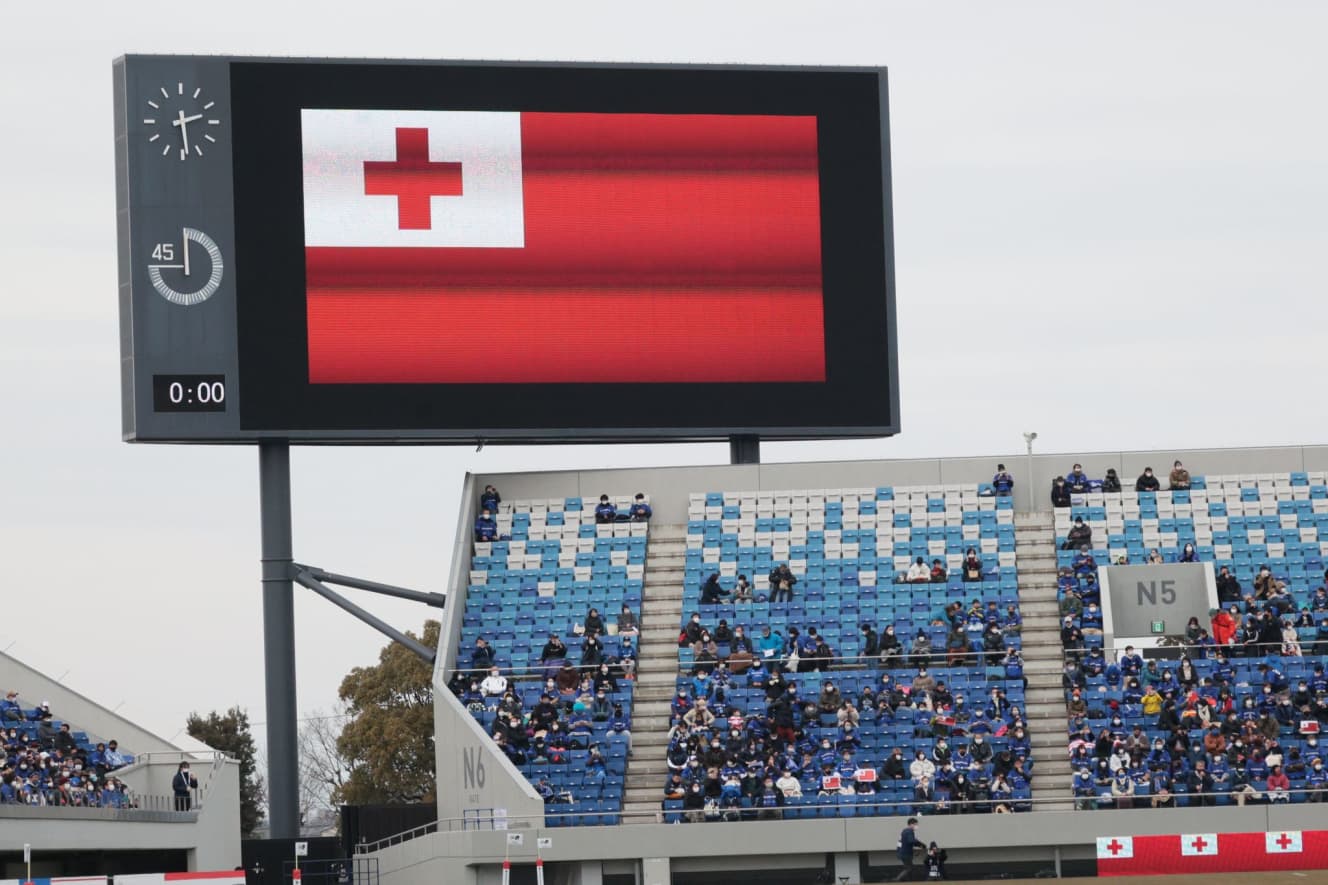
[(360, 251)]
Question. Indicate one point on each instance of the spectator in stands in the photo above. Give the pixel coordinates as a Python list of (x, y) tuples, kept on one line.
[(938, 573), (1111, 482), (1179, 480), (782, 580), (183, 785), (1147, 482), (920, 653), (490, 499), (10, 709), (742, 590), (605, 512), (495, 684), (481, 656), (1223, 626), (1077, 480), (640, 511), (1002, 483), (1081, 535), (1188, 554), (1155, 557), (627, 625), (891, 650), (918, 573), (1060, 493), (711, 592), (972, 566), (1228, 588), (486, 527)]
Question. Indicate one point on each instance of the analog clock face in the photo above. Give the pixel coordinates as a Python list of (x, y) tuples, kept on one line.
[(180, 120)]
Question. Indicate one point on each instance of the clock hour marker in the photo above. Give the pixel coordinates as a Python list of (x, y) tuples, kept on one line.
[(198, 150), (210, 138), (180, 87), (166, 150), (155, 136), (164, 93), (214, 122), (154, 104), (149, 121), (196, 91), (208, 105)]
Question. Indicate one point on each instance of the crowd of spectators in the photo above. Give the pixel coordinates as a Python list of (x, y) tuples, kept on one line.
[(1076, 482), (802, 738), (1233, 718), (486, 523), (43, 762)]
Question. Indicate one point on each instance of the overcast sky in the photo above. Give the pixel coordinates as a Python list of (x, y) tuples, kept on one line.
[(1110, 228)]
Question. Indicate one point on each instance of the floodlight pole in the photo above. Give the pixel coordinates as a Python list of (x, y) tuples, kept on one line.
[(745, 449), (274, 497)]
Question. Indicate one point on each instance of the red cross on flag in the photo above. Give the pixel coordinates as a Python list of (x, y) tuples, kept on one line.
[(1115, 847), (1198, 845), (471, 247), (1288, 842)]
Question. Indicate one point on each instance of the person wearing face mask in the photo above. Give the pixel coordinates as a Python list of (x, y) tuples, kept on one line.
[(182, 786)]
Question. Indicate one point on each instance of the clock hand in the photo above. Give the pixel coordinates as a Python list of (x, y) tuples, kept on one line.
[(184, 133), (190, 119)]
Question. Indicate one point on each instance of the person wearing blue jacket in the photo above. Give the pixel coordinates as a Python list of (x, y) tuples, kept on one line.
[(486, 527), (640, 511), (605, 511), (909, 844), (1002, 482), (1076, 479)]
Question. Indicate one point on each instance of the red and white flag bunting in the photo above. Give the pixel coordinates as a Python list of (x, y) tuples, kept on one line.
[(1115, 847), (1288, 842)]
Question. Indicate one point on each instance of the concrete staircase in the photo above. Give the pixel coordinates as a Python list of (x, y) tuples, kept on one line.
[(1044, 700), (657, 670)]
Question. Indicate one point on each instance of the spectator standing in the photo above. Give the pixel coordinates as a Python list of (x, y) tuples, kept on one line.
[(1002, 483), (782, 580), (183, 785), (1060, 493), (490, 499), (1179, 480)]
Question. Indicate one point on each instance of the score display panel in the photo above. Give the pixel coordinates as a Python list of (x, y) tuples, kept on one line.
[(331, 251)]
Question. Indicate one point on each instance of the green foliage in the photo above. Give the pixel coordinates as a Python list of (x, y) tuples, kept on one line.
[(388, 740), (229, 732)]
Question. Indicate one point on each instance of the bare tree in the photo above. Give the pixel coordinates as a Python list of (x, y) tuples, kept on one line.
[(323, 770)]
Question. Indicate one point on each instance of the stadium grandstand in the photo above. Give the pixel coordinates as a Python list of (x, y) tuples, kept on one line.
[(91, 789), (913, 659)]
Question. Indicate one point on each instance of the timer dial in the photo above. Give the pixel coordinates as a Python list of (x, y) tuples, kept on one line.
[(186, 287)]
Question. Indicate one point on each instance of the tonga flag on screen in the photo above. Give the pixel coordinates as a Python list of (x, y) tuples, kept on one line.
[(495, 247)]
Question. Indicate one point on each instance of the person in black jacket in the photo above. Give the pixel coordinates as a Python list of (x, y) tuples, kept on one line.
[(711, 592), (1060, 493), (871, 644), (1228, 588), (908, 845), (1147, 482), (782, 580), (182, 786), (1111, 482)]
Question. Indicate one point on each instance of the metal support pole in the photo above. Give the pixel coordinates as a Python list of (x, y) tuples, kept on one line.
[(274, 495), (305, 579), (745, 449), (437, 600)]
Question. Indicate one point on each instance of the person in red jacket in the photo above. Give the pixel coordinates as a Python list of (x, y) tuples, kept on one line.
[(1223, 626)]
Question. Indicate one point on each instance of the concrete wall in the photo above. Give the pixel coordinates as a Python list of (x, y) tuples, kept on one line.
[(83, 713), (210, 835), (668, 487), (474, 858)]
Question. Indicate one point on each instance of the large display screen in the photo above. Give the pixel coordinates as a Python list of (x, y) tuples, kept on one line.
[(422, 251), (436, 241)]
